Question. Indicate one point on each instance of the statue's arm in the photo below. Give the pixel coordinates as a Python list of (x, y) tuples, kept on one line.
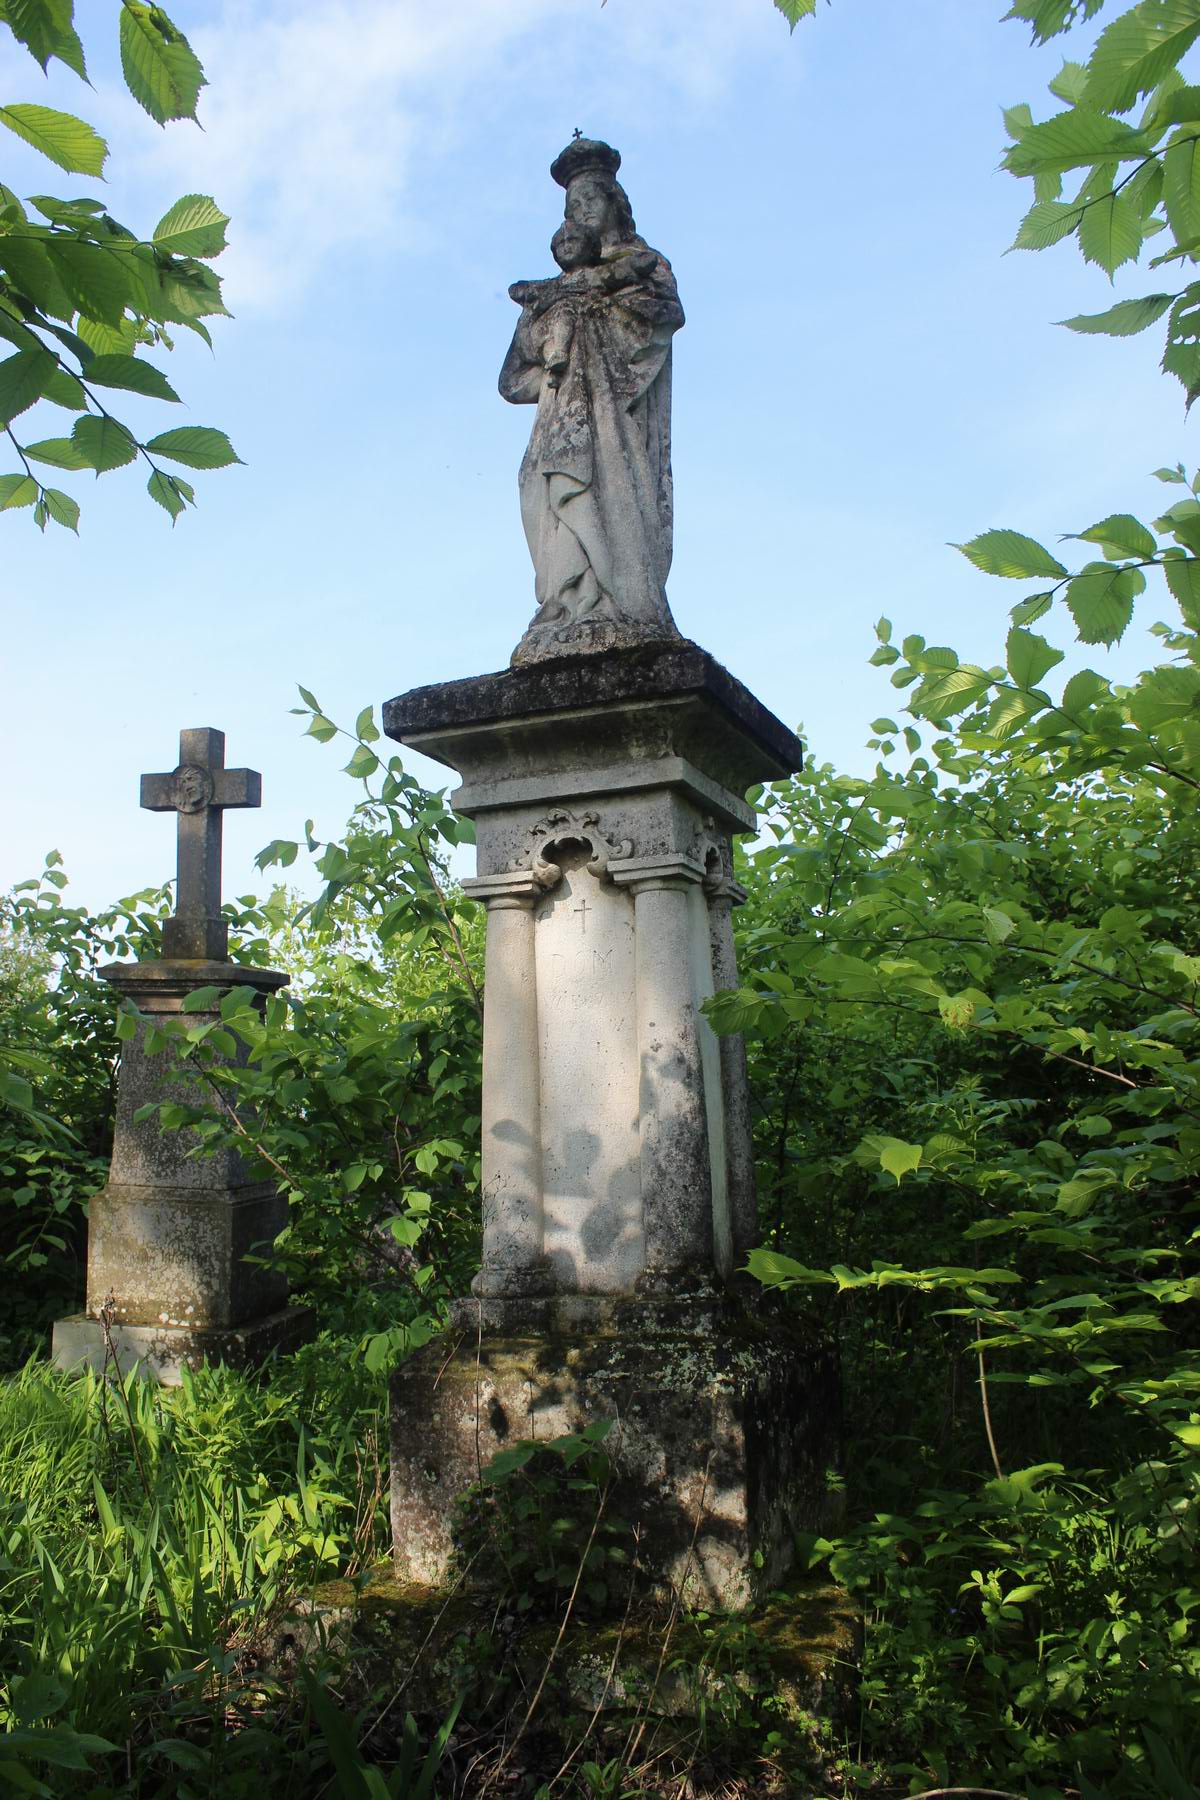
[(522, 373)]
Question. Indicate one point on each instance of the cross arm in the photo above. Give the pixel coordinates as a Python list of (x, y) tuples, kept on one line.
[(237, 787), (158, 792)]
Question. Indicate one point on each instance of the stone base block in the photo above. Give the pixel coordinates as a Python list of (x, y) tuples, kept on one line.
[(161, 1351), (721, 1442), (165, 1254)]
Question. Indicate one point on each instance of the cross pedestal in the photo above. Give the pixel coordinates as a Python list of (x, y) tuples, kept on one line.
[(171, 1237), (617, 1164)]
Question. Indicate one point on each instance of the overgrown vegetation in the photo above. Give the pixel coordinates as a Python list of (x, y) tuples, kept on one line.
[(970, 985)]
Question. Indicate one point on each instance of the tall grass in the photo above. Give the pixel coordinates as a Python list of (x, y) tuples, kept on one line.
[(149, 1540)]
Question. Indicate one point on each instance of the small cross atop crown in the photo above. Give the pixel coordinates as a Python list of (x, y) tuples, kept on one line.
[(199, 790)]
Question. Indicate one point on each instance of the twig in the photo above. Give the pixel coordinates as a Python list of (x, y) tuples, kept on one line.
[(976, 1793), (557, 1644), (987, 1426), (612, 1667), (106, 1316)]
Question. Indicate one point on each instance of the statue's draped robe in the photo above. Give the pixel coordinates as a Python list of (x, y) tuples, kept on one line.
[(596, 479)]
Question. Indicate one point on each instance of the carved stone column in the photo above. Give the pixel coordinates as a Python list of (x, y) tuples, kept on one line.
[(723, 895), (514, 1259), (675, 1165)]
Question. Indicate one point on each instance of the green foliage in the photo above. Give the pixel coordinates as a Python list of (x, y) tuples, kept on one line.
[(58, 1050), (81, 295), (153, 1541), (536, 1528)]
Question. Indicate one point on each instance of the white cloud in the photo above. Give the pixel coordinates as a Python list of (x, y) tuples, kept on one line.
[(316, 109)]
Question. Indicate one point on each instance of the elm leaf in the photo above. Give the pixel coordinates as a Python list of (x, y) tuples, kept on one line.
[(197, 446), (131, 373), (66, 140), (161, 69), (194, 226), (1010, 553)]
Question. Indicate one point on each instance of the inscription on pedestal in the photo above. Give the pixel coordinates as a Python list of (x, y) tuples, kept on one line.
[(587, 1030)]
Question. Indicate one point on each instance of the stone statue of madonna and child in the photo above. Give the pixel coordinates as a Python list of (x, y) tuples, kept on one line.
[(592, 351)]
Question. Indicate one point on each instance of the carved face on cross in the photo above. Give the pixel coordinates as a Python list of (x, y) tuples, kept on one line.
[(198, 791)]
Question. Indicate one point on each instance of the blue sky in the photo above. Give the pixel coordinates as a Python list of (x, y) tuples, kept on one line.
[(864, 377)]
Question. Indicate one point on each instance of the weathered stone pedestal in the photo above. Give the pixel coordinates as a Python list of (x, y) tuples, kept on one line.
[(618, 1179), (169, 1234), (169, 1281)]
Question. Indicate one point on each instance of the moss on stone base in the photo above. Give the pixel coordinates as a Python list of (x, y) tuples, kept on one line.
[(800, 1650)]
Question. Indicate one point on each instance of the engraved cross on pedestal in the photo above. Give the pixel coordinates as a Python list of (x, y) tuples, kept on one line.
[(199, 790)]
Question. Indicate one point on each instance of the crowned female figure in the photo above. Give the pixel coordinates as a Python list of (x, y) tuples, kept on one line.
[(592, 351)]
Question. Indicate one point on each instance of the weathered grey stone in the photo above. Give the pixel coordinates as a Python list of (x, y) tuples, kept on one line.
[(616, 1148), (161, 1353), (721, 1441), (592, 351), (198, 790), (173, 1236)]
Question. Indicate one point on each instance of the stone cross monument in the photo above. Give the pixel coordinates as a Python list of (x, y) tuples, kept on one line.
[(199, 790), (169, 1234), (606, 772)]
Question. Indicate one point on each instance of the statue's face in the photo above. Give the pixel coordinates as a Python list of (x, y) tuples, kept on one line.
[(589, 203), (573, 247)]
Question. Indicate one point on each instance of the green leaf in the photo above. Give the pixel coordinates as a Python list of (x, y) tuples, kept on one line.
[(1110, 233), (1183, 579), (30, 268), (364, 762), (1049, 17), (197, 446), (63, 510), (1165, 697), (1071, 140), (103, 443), (795, 10), (1083, 690), (99, 281), (997, 925), (365, 726), (66, 140), (1034, 606), (898, 1158), (1135, 52), (1122, 535), (1046, 222), (103, 339), (161, 69), (45, 29), (1010, 553), (17, 490), (170, 492), (131, 373), (23, 380), (1070, 82), (1029, 657), (1101, 604), (60, 453), (63, 389), (1181, 187), (194, 226), (1125, 319)]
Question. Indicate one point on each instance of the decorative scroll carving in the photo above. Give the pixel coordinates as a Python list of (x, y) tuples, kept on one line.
[(560, 828)]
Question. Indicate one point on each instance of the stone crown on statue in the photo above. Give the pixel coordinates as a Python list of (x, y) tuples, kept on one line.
[(581, 156)]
